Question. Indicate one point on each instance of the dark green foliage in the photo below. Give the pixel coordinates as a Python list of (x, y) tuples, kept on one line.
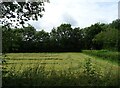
[(89, 34), (116, 24), (65, 38), (108, 39), (42, 41), (62, 39)]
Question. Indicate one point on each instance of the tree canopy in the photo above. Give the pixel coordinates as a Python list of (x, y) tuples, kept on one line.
[(64, 38), (20, 11)]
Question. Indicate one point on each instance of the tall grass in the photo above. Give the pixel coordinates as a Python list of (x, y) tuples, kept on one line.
[(38, 76), (104, 54)]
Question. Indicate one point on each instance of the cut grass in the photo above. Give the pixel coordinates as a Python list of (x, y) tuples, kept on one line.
[(64, 61), (67, 67)]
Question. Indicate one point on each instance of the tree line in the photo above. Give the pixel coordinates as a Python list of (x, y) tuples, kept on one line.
[(63, 38)]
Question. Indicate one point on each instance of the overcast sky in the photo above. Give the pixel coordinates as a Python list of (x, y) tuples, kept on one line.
[(79, 13)]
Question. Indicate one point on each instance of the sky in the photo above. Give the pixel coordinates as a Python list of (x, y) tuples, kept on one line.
[(78, 13)]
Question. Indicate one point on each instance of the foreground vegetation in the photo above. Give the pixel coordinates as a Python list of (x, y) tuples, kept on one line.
[(58, 69)]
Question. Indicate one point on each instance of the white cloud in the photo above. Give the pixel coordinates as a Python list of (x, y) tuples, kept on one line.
[(79, 13)]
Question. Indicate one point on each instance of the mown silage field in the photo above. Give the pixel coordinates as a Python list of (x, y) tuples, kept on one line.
[(59, 69)]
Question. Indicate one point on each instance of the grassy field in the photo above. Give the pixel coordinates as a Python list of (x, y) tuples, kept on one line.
[(114, 57), (59, 69)]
